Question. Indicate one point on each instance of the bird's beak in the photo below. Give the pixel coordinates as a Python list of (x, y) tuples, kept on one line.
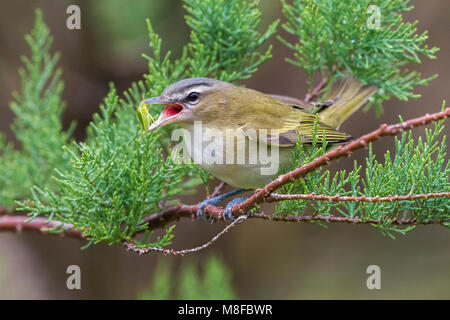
[(169, 115)]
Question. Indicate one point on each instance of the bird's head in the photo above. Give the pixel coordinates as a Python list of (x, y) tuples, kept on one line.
[(190, 100)]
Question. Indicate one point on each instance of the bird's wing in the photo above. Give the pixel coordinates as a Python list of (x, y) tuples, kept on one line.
[(289, 116), (301, 126), (294, 102), (347, 94)]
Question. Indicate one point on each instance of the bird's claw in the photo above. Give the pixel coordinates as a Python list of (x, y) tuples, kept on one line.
[(200, 212), (227, 214), (215, 201)]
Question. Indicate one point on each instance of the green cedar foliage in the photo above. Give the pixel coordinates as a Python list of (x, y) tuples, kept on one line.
[(119, 175), (37, 126), (336, 37)]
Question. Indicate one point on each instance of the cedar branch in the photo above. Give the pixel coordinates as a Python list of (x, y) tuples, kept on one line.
[(38, 224), (338, 198)]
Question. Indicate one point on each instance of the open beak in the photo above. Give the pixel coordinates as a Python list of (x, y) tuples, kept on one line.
[(169, 115)]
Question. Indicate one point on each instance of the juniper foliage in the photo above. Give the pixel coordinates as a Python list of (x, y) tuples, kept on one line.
[(38, 108), (119, 175), (366, 38), (415, 167)]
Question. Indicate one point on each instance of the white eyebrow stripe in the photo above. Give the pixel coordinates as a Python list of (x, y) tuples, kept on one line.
[(199, 89)]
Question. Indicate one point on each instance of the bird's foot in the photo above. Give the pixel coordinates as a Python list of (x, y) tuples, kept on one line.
[(200, 212), (215, 201), (227, 214)]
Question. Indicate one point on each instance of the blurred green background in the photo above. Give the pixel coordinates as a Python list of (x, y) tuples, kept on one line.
[(262, 259)]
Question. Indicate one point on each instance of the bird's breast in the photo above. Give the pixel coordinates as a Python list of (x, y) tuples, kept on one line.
[(232, 155)]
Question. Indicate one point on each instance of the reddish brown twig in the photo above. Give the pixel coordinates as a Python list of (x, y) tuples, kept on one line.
[(316, 91), (217, 190), (39, 224), (335, 219), (160, 219), (339, 198)]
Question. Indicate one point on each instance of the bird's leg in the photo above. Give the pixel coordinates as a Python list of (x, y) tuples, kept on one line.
[(215, 201), (227, 214)]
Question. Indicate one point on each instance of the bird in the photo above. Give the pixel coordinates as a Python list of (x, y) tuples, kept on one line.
[(229, 114)]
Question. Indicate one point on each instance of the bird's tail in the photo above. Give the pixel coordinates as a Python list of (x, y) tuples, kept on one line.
[(349, 95)]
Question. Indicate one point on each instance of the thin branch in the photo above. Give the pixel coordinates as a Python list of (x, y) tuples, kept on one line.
[(38, 224), (338, 198), (131, 247), (316, 91), (335, 219), (217, 190)]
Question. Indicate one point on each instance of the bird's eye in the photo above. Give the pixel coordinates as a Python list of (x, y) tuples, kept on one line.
[(193, 96)]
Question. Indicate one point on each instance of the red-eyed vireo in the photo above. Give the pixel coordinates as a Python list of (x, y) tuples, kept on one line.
[(243, 136)]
